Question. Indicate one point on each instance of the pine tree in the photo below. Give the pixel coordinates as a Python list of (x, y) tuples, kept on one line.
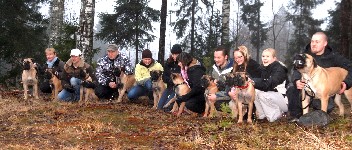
[(129, 25)]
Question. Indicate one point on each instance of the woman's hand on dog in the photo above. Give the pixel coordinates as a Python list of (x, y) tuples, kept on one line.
[(112, 85)]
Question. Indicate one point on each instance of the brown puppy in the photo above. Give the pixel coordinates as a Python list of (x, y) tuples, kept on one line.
[(321, 83), (158, 86), (244, 95), (210, 88), (29, 78), (181, 88), (54, 80), (125, 82), (86, 94)]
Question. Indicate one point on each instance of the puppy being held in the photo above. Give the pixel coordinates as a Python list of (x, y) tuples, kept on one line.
[(158, 86), (55, 81), (320, 83), (181, 88), (29, 78), (86, 90), (124, 83), (244, 95), (210, 88)]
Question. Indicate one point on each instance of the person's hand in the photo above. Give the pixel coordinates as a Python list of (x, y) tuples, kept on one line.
[(69, 88), (82, 74), (343, 87), (232, 93), (300, 84), (112, 85), (47, 75), (88, 84), (211, 97)]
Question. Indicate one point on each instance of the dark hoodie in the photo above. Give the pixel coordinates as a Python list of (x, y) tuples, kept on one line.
[(329, 58), (194, 76), (272, 75)]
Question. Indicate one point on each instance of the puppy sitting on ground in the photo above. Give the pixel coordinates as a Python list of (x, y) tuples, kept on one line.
[(321, 83), (125, 82), (244, 95), (56, 82), (158, 86), (86, 91), (29, 78), (181, 88), (210, 88)]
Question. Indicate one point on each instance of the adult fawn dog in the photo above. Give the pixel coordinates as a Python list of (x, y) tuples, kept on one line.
[(29, 78), (321, 83)]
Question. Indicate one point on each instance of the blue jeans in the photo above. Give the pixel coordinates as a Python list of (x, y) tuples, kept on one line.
[(64, 95), (140, 90), (167, 95)]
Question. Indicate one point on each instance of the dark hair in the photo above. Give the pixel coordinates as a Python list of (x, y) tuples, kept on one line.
[(225, 51), (184, 58)]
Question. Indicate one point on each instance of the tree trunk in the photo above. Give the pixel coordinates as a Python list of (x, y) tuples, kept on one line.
[(345, 27), (225, 22), (57, 8), (192, 27), (137, 34), (85, 30), (163, 16)]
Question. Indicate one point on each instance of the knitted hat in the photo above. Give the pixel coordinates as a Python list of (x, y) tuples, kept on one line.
[(75, 52), (176, 49), (147, 54), (112, 47)]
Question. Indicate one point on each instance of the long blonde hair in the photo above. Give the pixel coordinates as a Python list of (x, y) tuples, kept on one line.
[(244, 51)]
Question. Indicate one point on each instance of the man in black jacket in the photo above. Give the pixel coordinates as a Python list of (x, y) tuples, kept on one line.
[(324, 57)]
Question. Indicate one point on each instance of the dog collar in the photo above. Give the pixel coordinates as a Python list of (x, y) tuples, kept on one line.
[(180, 84), (243, 87)]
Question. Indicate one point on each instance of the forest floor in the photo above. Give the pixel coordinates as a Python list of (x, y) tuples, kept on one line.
[(46, 124)]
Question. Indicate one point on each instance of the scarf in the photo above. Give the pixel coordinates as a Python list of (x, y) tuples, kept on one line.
[(51, 63), (184, 74)]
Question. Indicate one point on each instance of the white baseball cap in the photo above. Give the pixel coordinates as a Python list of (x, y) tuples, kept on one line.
[(75, 52)]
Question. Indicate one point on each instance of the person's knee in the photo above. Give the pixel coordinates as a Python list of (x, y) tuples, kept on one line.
[(74, 81)]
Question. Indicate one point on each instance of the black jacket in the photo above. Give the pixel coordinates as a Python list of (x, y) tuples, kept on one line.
[(329, 58), (195, 74), (58, 66), (271, 76), (170, 67)]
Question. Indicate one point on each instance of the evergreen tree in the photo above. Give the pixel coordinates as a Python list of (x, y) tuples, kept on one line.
[(251, 17), (305, 26), (23, 34), (129, 25)]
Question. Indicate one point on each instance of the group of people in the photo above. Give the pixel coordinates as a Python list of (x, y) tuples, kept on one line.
[(274, 95)]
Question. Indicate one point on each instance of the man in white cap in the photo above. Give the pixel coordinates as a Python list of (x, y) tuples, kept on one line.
[(75, 70)]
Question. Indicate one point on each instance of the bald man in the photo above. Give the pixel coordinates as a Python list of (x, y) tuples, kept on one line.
[(325, 57)]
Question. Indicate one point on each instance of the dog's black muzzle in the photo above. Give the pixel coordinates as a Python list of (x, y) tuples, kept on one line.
[(26, 65), (154, 76), (299, 61), (204, 82)]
